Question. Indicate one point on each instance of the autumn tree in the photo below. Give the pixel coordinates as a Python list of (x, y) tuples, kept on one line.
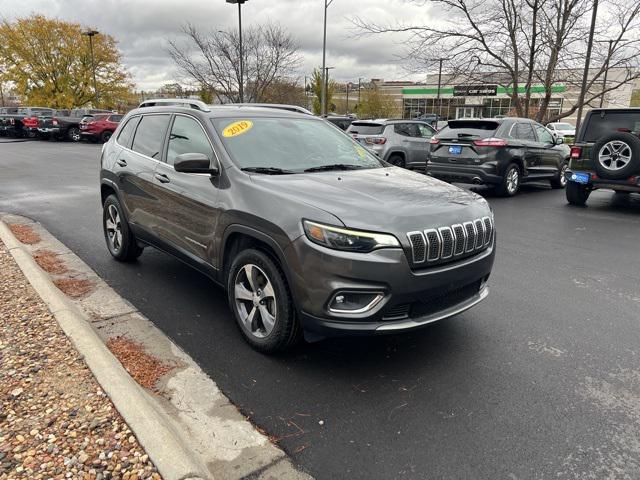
[(377, 104), (521, 43), (49, 63), (212, 60), (316, 88)]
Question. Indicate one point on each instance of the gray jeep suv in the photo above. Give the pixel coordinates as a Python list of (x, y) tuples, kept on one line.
[(308, 231), (403, 143)]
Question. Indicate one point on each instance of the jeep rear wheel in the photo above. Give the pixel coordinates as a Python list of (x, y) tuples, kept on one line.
[(616, 156), (261, 302), (120, 239), (577, 194), (396, 160)]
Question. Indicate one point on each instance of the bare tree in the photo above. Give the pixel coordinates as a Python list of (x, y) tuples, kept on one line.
[(519, 43), (212, 60)]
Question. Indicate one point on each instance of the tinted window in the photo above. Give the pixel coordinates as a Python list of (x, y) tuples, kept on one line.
[(605, 123), (125, 135), (293, 144), (426, 132), (544, 136), (468, 128), (365, 128), (407, 129), (187, 136), (523, 131), (115, 118), (150, 135)]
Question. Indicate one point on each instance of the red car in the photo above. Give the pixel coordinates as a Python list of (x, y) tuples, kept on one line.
[(99, 127)]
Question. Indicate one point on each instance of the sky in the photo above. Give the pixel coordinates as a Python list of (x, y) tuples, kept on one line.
[(143, 27)]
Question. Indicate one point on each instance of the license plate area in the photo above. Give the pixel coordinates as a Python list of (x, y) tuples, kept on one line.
[(455, 149), (580, 177)]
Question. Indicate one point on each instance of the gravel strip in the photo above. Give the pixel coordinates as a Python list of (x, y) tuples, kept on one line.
[(55, 421)]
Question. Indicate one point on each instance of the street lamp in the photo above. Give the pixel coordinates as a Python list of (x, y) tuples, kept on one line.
[(325, 86), (585, 74), (606, 68), (91, 34), (323, 108), (241, 84)]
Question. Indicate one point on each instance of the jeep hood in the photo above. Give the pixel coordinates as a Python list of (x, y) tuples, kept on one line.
[(391, 200)]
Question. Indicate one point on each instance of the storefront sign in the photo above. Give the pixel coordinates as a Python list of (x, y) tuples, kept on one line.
[(475, 90)]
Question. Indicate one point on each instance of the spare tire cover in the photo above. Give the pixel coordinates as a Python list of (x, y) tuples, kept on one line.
[(616, 156)]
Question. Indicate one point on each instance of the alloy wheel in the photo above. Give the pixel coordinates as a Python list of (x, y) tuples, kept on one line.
[(513, 180), (563, 178), (255, 300), (113, 227), (615, 155)]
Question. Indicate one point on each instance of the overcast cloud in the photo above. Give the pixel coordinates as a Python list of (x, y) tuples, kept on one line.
[(142, 28)]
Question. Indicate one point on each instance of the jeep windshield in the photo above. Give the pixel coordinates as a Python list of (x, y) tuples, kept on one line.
[(291, 145)]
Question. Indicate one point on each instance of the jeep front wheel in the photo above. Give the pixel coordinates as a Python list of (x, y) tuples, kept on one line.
[(261, 302)]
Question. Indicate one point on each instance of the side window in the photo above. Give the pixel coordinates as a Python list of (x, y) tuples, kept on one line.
[(524, 132), (407, 129), (126, 134), (425, 132), (115, 118), (543, 135), (149, 137), (187, 136)]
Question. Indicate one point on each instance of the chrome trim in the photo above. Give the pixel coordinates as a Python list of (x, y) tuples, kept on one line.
[(434, 317), (370, 306), (426, 235), (488, 234), (464, 239), (413, 249), (479, 241), (453, 238), (467, 249)]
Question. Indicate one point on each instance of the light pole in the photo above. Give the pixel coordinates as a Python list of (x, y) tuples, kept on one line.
[(347, 110), (359, 89), (91, 34), (585, 75), (325, 86), (323, 100), (606, 68), (241, 83)]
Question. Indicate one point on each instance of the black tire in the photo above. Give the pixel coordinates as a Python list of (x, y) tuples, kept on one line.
[(285, 329), (397, 160), (73, 134), (510, 185), (577, 194), (105, 136), (125, 247), (560, 180), (613, 164), (30, 133)]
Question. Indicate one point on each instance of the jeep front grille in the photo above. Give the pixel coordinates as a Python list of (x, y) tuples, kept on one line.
[(450, 242)]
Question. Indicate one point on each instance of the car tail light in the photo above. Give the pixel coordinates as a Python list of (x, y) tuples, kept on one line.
[(376, 140), (576, 152), (54, 122), (491, 142), (12, 121), (434, 141)]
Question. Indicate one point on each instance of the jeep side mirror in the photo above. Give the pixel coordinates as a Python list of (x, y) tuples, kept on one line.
[(559, 140), (194, 163)]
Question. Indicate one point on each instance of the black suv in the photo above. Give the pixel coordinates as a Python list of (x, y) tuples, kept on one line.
[(503, 152), (307, 230), (606, 154)]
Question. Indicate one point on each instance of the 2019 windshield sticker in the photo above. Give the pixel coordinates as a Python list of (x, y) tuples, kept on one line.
[(237, 128), (361, 152)]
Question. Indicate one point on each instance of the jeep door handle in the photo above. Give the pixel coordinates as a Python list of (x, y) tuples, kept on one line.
[(122, 162), (162, 178)]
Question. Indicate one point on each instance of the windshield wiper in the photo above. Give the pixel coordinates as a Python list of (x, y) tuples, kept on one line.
[(267, 170), (335, 166)]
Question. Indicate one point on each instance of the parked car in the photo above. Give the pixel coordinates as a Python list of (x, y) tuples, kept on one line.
[(99, 127), (562, 130), (403, 143), (294, 219), (67, 127), (341, 122), (433, 119), (606, 154), (502, 152), (22, 121)]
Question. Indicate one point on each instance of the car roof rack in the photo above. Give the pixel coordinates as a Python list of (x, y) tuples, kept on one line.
[(186, 102)]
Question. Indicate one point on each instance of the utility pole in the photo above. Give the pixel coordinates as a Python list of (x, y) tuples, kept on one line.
[(325, 87), (91, 34), (585, 75), (347, 111), (323, 100), (241, 83)]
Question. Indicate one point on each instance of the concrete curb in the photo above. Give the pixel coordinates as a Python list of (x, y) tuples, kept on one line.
[(152, 428)]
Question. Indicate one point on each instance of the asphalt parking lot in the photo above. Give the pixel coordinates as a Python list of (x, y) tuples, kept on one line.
[(542, 380)]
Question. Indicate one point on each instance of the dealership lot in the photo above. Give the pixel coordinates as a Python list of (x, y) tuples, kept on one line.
[(541, 380)]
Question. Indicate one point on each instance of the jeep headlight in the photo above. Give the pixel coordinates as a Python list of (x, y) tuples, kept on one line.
[(346, 239)]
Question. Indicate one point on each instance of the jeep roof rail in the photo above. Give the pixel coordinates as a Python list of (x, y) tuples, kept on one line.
[(187, 102)]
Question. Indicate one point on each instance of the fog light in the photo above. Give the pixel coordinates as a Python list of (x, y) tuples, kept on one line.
[(354, 302)]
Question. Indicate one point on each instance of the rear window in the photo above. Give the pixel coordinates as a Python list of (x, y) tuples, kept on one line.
[(467, 128), (604, 123), (365, 128)]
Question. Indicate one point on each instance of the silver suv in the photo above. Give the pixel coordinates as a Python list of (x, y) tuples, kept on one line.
[(403, 143)]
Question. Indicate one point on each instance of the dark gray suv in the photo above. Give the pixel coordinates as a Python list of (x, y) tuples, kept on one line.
[(308, 231)]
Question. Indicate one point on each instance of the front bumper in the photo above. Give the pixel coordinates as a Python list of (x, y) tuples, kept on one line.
[(482, 173), (412, 298)]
